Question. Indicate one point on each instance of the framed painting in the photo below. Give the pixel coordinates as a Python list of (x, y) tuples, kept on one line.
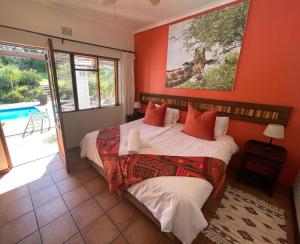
[(203, 52)]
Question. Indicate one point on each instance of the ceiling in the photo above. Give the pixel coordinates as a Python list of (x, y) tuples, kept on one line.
[(132, 15)]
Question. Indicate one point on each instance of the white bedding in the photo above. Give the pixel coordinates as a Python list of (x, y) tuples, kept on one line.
[(178, 210)]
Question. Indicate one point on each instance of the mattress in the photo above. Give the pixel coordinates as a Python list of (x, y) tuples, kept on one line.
[(178, 210)]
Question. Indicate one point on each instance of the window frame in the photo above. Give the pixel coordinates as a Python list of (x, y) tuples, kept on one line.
[(74, 84)]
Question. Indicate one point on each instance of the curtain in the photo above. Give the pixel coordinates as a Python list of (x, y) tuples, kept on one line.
[(127, 82)]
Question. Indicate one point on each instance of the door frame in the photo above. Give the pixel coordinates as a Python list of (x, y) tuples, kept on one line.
[(54, 90), (6, 151), (2, 135)]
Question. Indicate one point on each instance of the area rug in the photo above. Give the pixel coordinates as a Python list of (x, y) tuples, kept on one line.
[(243, 218)]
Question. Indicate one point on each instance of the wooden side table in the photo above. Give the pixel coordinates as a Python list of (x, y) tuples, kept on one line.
[(134, 116), (270, 157)]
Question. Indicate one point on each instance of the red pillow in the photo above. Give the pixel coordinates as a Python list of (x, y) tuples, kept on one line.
[(201, 125), (155, 115)]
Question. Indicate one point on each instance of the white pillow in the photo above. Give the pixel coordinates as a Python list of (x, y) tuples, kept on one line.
[(221, 126), (175, 114), (171, 116)]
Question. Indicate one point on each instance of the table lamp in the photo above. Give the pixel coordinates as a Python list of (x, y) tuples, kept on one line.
[(274, 131), (136, 106)]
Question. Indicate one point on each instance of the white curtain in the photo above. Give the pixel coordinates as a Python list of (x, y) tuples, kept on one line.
[(127, 83)]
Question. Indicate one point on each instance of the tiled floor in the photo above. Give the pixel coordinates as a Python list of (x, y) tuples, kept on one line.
[(41, 203)]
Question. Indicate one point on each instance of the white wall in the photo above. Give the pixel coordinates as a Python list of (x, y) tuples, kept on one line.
[(297, 198), (35, 17), (78, 124), (28, 15)]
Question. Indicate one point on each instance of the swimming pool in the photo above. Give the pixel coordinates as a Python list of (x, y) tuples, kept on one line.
[(15, 113)]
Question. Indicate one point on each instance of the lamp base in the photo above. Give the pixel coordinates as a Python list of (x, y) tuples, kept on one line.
[(135, 111), (269, 146)]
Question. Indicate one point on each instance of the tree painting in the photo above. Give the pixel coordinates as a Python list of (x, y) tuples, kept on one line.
[(203, 52)]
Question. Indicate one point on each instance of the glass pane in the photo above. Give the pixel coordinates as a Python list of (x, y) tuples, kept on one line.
[(87, 89), (107, 82), (83, 62), (64, 80)]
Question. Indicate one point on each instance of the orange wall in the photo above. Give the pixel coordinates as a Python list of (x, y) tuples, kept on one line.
[(268, 72)]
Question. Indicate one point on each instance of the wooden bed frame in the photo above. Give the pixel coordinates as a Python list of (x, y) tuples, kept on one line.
[(253, 112)]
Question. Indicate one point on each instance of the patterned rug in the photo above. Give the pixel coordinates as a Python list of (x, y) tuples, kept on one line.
[(243, 218)]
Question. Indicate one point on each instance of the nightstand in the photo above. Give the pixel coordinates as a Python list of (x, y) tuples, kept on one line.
[(134, 116), (262, 155)]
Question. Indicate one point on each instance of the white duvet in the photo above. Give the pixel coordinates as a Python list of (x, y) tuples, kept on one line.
[(175, 201)]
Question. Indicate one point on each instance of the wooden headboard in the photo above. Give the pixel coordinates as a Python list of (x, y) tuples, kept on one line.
[(253, 112)]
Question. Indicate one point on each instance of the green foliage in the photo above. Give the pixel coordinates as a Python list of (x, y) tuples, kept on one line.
[(25, 63), (9, 75), (107, 84), (11, 97), (20, 76), (218, 35), (92, 80), (65, 89), (63, 70), (219, 77), (223, 29), (29, 78), (17, 85)]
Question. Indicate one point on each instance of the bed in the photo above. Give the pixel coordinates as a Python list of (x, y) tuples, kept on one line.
[(166, 198)]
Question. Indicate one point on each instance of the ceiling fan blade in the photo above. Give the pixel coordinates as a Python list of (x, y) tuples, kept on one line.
[(154, 2), (105, 3)]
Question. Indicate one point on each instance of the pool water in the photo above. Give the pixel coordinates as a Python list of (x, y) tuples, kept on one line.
[(15, 113)]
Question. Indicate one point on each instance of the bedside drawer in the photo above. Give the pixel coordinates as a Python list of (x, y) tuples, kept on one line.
[(263, 161)]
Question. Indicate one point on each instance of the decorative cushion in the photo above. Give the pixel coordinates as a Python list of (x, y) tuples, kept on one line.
[(155, 115), (199, 124)]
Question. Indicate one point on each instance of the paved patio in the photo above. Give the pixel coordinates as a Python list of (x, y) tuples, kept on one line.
[(38, 144), (33, 147)]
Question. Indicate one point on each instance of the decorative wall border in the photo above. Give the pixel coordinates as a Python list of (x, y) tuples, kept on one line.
[(253, 112)]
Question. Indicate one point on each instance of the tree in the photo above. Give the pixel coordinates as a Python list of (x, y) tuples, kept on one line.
[(63, 70), (107, 83), (25, 63), (9, 75), (215, 38), (17, 85), (220, 30)]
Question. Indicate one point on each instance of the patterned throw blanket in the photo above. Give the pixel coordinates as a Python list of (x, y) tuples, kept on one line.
[(123, 171)]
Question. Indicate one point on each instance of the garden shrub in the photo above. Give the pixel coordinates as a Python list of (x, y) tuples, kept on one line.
[(18, 85)]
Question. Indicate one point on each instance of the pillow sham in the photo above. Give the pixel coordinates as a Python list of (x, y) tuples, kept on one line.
[(175, 114), (221, 126), (172, 115), (155, 115), (200, 125)]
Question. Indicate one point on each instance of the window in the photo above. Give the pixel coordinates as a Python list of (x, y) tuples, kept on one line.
[(86, 72), (94, 81), (64, 80), (107, 76)]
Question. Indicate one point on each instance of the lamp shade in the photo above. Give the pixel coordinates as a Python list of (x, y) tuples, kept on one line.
[(274, 131), (137, 105)]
